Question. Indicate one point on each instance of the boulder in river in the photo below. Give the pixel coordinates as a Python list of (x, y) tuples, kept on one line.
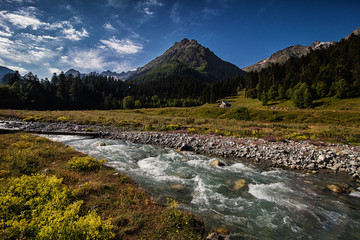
[(217, 163), (102, 144), (343, 188), (215, 236), (241, 185), (334, 188)]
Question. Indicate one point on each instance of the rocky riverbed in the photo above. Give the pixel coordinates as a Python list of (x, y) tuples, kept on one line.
[(303, 155)]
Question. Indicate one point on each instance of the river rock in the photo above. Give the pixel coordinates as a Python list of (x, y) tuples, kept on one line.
[(241, 185), (344, 188), (321, 158), (215, 236), (311, 166), (177, 186), (217, 163), (102, 144), (334, 188), (185, 147)]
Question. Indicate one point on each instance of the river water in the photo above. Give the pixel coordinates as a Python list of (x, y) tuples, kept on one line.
[(279, 204)]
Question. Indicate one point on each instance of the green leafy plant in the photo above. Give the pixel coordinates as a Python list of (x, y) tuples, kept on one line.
[(85, 164), (176, 220), (172, 127), (35, 118), (41, 207)]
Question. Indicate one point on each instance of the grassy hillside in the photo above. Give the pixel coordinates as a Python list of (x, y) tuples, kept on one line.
[(72, 196), (331, 120)]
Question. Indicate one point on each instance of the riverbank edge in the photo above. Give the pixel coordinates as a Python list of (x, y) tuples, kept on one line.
[(312, 157), (112, 195)]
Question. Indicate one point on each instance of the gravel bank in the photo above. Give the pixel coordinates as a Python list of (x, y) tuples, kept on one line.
[(295, 155)]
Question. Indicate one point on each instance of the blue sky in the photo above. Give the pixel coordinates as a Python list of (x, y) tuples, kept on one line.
[(47, 36)]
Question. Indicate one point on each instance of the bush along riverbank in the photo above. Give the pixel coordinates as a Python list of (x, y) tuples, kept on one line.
[(50, 191), (302, 155)]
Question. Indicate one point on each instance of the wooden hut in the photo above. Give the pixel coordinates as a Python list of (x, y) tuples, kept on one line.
[(224, 104)]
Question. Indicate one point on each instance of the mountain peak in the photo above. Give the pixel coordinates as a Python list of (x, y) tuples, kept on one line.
[(73, 72), (184, 41), (194, 56), (355, 32)]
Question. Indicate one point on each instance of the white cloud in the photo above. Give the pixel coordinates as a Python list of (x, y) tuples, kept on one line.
[(148, 12), (174, 14), (22, 19), (38, 38), (73, 34), (122, 67), (153, 3), (26, 18), (85, 60), (19, 51), (125, 46), (21, 70), (108, 26), (146, 7), (53, 70), (6, 32)]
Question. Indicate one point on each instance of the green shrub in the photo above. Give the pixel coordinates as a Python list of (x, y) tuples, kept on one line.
[(36, 118), (148, 128), (85, 164), (64, 119), (41, 207), (24, 161), (241, 113), (89, 130), (177, 220), (172, 127)]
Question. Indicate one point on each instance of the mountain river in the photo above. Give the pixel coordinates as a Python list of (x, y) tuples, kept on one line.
[(278, 204)]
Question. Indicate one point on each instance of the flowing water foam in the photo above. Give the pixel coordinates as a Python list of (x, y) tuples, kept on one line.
[(278, 205)]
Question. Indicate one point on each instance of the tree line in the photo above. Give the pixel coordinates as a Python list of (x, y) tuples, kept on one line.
[(327, 72), (65, 92)]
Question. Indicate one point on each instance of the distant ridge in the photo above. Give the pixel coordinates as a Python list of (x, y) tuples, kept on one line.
[(283, 55), (190, 54), (108, 73), (294, 51)]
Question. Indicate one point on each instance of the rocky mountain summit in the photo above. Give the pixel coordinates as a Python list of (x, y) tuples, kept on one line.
[(355, 32), (4, 71), (192, 55), (73, 72), (285, 54)]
